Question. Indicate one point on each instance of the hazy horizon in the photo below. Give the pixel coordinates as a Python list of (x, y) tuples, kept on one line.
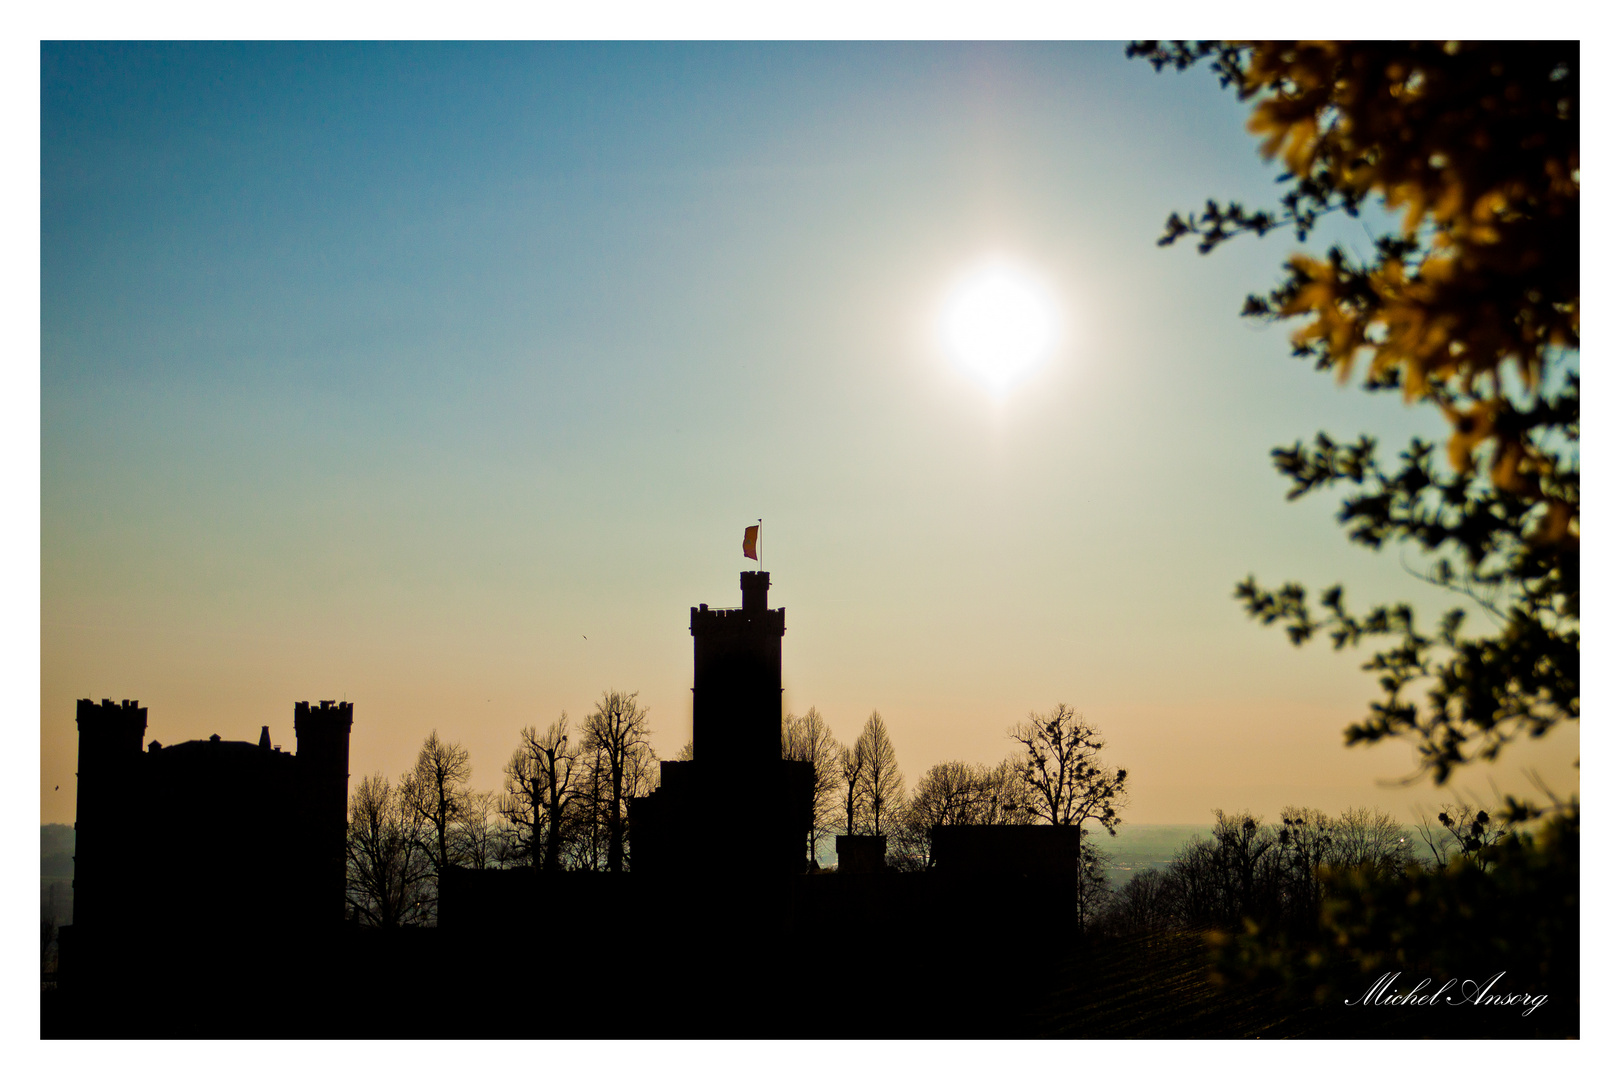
[(443, 379)]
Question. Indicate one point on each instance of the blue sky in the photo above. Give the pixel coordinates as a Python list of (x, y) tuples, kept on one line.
[(445, 378)]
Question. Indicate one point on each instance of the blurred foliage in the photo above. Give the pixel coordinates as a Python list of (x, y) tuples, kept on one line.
[(1516, 910), (1470, 304), (1510, 905)]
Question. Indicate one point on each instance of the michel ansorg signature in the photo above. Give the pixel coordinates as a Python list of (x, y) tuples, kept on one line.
[(1454, 992)]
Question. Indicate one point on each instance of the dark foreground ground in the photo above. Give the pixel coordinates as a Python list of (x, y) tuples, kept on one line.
[(1159, 987), (420, 985)]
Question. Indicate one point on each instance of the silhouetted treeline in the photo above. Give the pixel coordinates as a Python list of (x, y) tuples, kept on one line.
[(564, 804), (1249, 870), (1055, 777), (1323, 905)]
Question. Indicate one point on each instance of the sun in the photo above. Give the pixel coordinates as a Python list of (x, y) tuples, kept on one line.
[(999, 323)]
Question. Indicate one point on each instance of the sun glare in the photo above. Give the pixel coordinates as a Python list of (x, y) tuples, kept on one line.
[(999, 323)]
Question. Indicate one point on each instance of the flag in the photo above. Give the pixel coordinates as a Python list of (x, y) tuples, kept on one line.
[(751, 543)]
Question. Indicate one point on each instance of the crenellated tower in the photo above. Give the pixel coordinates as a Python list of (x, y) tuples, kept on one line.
[(737, 679), (106, 840), (736, 808), (322, 733)]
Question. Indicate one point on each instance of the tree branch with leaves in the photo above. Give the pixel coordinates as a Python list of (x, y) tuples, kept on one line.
[(1470, 304)]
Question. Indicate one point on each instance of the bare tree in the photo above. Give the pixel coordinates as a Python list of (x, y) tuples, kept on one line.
[(1242, 844), (949, 793), (587, 842), (477, 835), (1437, 839), (1370, 839), (435, 794), (956, 793), (622, 764), (1064, 777), (1274, 876), (542, 793), (523, 804), (1307, 841), (641, 774), (1091, 889), (1004, 794), (952, 793), (1194, 891), (851, 766), (389, 873), (808, 738), (1141, 905), (881, 787), (1239, 873)]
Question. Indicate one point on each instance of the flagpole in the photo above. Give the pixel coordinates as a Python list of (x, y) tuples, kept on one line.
[(762, 545)]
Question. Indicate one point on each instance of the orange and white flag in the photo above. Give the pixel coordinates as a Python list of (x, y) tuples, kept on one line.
[(751, 543)]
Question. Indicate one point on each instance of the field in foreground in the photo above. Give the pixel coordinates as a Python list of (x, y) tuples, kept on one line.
[(1159, 986), (1150, 987)]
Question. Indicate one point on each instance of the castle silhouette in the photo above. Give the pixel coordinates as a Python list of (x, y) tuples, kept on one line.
[(213, 872), (720, 845), (198, 863)]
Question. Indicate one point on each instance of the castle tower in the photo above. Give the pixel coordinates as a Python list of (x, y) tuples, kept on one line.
[(323, 799), (691, 823), (106, 840), (737, 680)]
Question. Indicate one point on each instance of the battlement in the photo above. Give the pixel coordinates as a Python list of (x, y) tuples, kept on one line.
[(112, 726), (322, 737), (323, 729), (335, 711), (753, 618), (107, 708), (727, 621)]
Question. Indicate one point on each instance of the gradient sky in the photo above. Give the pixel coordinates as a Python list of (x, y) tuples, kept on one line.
[(444, 379)]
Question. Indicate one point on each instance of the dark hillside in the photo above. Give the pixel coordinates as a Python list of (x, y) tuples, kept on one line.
[(55, 839), (56, 873)]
